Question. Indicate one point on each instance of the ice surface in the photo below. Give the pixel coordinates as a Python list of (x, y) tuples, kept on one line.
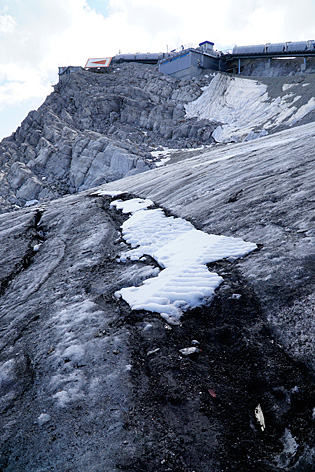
[(290, 447), (71, 348), (182, 251)]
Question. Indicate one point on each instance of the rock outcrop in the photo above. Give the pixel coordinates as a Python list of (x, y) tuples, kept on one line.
[(95, 128)]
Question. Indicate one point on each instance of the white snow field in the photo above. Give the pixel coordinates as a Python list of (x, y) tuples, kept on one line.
[(181, 251), (243, 106)]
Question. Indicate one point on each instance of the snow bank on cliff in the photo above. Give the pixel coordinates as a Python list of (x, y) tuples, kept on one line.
[(244, 108)]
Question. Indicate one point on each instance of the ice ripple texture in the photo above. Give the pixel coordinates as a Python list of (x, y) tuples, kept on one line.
[(181, 251)]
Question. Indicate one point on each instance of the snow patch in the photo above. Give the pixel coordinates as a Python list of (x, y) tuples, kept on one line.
[(163, 153), (162, 156), (287, 86), (260, 417), (162, 162), (133, 205), (63, 398), (302, 111), (181, 251), (31, 203), (107, 193), (43, 418)]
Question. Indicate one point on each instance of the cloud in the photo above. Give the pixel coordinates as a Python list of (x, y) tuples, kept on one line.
[(262, 21), (298, 20), (153, 19), (239, 14), (7, 24), (28, 27), (20, 84)]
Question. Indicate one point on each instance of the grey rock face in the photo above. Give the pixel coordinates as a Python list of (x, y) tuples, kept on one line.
[(95, 128), (277, 68)]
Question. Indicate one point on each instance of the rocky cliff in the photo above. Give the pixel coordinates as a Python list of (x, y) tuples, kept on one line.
[(95, 128)]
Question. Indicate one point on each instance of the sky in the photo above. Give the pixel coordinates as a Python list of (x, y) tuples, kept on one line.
[(38, 36)]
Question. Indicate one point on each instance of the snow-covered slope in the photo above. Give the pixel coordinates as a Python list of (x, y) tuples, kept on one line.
[(183, 253), (245, 109)]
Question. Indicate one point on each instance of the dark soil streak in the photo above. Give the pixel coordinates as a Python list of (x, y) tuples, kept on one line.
[(35, 235), (181, 426)]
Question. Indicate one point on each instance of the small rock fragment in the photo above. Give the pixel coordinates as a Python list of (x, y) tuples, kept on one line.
[(187, 351), (153, 351), (43, 418), (231, 259), (260, 417)]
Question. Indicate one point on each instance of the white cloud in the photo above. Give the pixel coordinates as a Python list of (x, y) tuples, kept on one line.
[(14, 89), (7, 24)]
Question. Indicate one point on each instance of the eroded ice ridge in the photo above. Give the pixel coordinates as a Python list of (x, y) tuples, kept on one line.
[(181, 250)]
